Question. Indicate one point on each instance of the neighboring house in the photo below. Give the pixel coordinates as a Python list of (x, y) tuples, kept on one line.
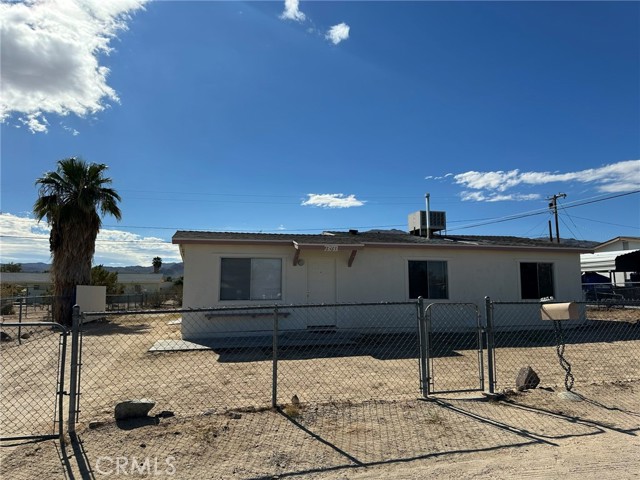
[(39, 284), (233, 269), (618, 259), (141, 282), (32, 284)]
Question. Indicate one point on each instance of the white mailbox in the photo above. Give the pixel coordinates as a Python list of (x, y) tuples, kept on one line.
[(560, 311)]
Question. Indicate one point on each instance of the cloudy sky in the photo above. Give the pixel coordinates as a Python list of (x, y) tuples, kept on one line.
[(294, 116)]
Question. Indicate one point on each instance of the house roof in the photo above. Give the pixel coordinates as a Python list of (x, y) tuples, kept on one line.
[(617, 239), (357, 240), (25, 277)]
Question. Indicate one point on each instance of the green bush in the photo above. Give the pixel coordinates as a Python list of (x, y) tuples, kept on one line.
[(7, 309)]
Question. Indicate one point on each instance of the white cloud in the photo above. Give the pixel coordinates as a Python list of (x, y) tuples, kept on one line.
[(332, 200), (494, 197), (335, 34), (73, 131), (50, 57), (35, 122), (617, 177), (23, 240), (292, 11), (338, 33), (431, 177)]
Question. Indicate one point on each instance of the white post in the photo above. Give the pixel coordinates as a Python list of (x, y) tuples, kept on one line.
[(428, 215)]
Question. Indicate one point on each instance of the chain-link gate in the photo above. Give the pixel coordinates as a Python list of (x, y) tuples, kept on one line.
[(452, 338), (32, 380)]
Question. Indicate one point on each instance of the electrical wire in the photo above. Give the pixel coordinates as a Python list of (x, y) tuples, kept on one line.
[(490, 221)]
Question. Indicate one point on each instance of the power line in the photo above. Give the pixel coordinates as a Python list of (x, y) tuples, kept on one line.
[(607, 223), (489, 221), (577, 203)]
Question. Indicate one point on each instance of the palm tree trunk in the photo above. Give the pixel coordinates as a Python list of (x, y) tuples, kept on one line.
[(71, 266)]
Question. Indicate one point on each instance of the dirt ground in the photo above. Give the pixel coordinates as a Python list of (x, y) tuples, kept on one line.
[(533, 434), (222, 426)]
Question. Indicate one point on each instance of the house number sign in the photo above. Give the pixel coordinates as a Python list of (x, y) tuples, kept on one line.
[(331, 248)]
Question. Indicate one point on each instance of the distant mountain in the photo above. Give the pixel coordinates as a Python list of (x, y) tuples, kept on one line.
[(574, 243), (38, 267), (173, 270)]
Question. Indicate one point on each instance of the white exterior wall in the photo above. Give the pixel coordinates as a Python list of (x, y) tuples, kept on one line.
[(378, 274), (626, 243)]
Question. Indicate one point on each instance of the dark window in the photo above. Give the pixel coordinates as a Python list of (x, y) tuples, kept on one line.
[(250, 279), (428, 279), (536, 280)]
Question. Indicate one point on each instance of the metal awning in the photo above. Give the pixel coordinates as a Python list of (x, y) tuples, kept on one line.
[(608, 261)]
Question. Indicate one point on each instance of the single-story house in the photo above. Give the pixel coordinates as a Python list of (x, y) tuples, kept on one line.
[(31, 284), (248, 269), (142, 282)]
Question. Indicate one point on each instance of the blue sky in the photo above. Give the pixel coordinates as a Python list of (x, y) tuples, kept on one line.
[(310, 116)]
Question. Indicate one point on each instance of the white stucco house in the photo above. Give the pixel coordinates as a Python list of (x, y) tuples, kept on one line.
[(249, 269)]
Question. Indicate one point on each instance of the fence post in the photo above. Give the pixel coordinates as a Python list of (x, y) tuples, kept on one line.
[(488, 307), (20, 321), (274, 378), (73, 373), (61, 392), (424, 364)]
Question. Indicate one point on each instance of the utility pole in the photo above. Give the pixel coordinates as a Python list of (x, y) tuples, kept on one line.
[(553, 205)]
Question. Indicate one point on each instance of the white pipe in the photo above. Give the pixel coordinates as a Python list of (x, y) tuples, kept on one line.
[(428, 215)]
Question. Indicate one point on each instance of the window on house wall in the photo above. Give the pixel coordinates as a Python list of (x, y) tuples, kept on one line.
[(536, 280), (250, 279), (428, 279)]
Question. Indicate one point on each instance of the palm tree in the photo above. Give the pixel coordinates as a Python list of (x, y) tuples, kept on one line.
[(70, 199), (157, 263)]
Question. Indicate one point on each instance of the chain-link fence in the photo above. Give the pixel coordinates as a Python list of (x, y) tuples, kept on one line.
[(169, 300), (348, 353), (23, 308), (190, 361), (610, 292), (347, 376), (602, 345), (193, 361), (454, 348), (32, 355), (248, 358)]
